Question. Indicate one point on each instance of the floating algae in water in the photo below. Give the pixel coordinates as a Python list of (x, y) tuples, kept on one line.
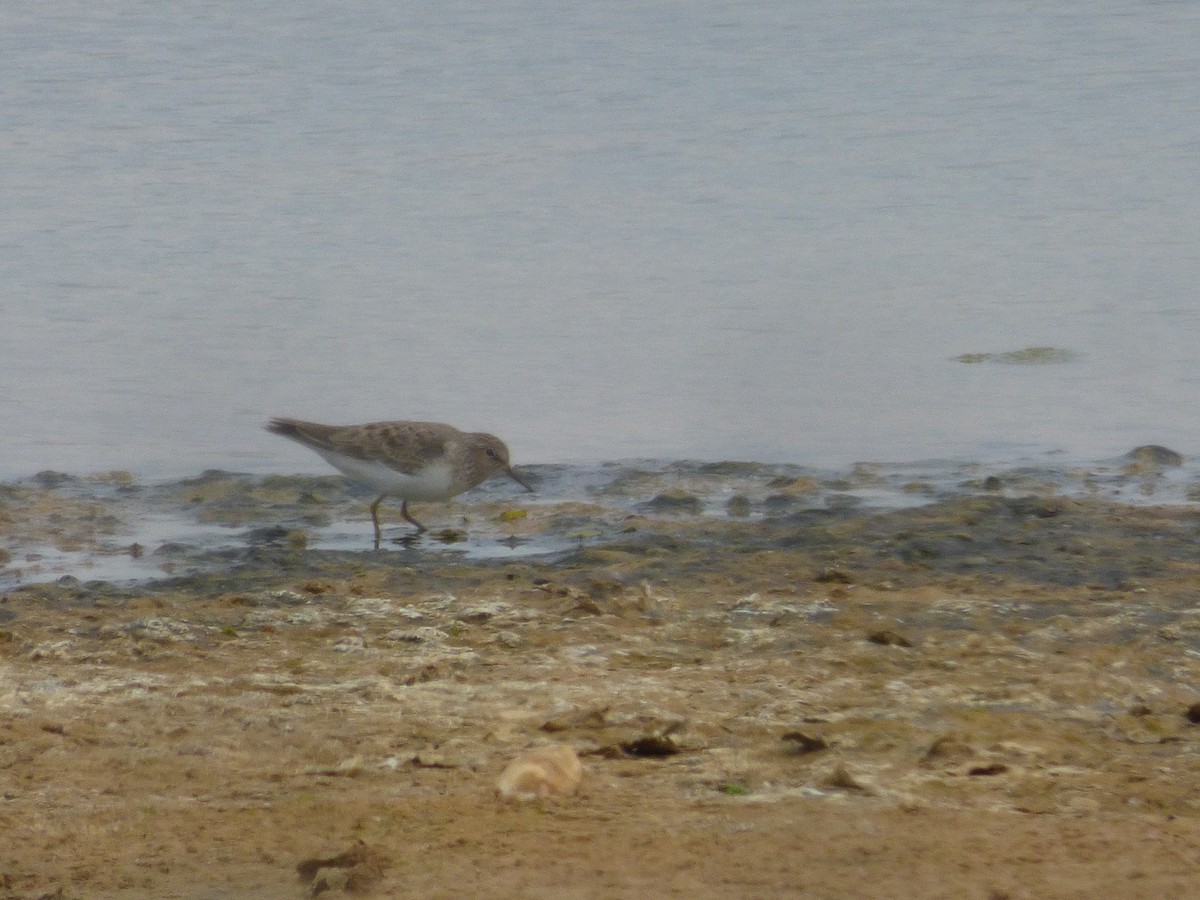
[(1030, 356), (1037, 356)]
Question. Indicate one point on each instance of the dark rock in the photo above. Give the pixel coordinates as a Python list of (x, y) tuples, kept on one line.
[(654, 745), (989, 769), (777, 504), (271, 534), (1155, 453), (675, 502), (834, 576), (799, 744), (738, 506), (888, 639), (48, 478)]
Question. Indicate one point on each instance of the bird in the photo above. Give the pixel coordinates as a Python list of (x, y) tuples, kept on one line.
[(405, 459)]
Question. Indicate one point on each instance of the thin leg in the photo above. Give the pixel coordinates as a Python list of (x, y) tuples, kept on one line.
[(404, 512), (375, 520)]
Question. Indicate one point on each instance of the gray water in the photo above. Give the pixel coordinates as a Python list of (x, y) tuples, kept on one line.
[(761, 230)]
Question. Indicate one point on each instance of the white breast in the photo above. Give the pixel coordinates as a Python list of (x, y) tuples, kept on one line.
[(432, 483)]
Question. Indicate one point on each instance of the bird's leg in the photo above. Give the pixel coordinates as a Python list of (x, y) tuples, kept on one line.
[(404, 512), (375, 519)]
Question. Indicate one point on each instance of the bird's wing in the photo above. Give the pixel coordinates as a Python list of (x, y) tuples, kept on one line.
[(404, 446)]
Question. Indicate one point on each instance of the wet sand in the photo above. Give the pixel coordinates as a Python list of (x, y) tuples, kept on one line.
[(989, 694)]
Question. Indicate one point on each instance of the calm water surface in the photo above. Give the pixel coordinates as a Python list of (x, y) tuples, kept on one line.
[(680, 230)]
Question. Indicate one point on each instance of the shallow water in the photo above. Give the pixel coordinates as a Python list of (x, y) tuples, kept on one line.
[(605, 231), (115, 528)]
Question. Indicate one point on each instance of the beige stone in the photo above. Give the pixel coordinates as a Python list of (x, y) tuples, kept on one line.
[(553, 771)]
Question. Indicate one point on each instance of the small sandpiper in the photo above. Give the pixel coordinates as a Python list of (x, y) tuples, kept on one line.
[(409, 460)]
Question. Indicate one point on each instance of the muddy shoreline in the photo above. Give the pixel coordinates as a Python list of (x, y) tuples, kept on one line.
[(989, 693)]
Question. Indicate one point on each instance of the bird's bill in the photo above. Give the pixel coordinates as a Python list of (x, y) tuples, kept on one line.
[(512, 473)]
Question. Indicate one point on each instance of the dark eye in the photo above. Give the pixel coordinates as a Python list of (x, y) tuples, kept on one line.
[(491, 453)]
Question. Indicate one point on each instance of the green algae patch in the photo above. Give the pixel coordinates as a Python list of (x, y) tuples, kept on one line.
[(1030, 356)]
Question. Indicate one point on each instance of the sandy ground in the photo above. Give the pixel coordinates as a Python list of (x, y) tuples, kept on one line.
[(987, 698)]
